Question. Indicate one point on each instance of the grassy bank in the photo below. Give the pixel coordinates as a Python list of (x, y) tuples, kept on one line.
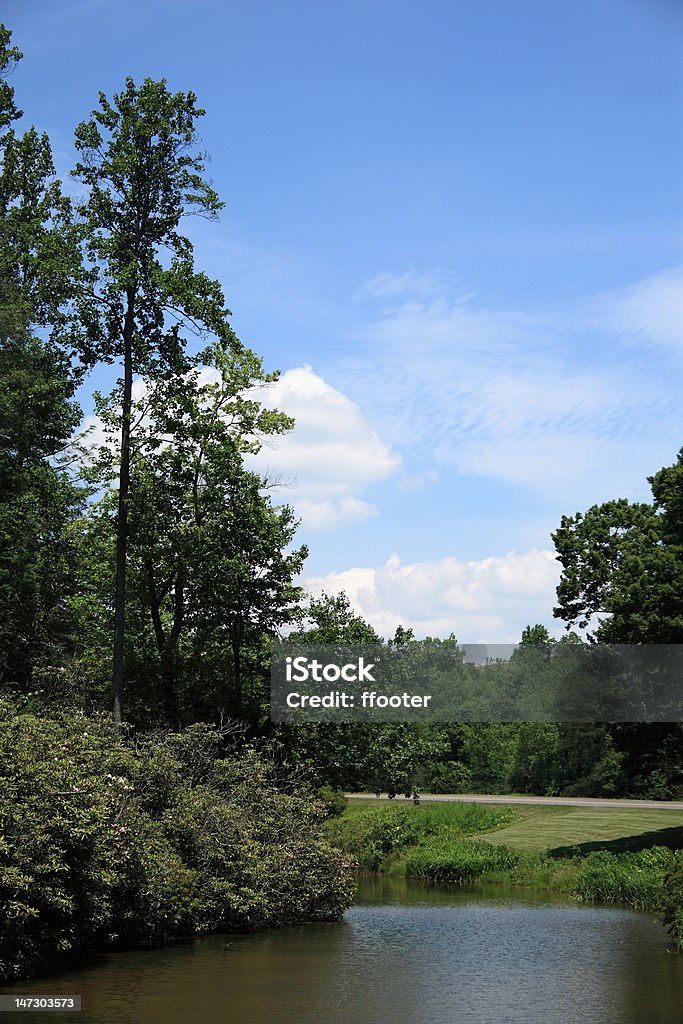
[(628, 856), (587, 829)]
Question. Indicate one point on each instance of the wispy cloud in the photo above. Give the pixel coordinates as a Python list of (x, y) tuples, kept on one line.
[(561, 401), (649, 312)]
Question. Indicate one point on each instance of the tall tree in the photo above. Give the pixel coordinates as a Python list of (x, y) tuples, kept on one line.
[(40, 260), (143, 173), (212, 556), (622, 576), (40, 274)]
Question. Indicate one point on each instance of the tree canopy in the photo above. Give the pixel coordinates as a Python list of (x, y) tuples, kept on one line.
[(40, 275), (622, 565), (143, 173)]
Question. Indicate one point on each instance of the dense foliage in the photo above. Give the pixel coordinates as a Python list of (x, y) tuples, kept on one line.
[(147, 545), (374, 834), (113, 841), (622, 578), (623, 565)]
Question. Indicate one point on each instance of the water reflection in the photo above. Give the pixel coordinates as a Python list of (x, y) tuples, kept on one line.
[(404, 954)]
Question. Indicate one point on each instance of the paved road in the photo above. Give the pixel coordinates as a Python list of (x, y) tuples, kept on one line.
[(548, 801)]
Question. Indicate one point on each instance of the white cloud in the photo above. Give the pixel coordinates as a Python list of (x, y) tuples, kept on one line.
[(562, 402), (323, 515), (330, 457), (650, 310), (322, 466), (485, 601)]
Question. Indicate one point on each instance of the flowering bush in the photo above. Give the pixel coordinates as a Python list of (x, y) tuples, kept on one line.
[(105, 841)]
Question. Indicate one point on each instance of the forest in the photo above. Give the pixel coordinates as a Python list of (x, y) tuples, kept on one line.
[(145, 570)]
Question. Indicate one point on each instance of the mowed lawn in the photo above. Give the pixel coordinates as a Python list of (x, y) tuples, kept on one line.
[(590, 828)]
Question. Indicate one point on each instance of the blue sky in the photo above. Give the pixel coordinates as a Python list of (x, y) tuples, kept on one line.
[(456, 228)]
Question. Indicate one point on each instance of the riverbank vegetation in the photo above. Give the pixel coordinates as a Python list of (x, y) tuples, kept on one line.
[(460, 843), (143, 568), (146, 569), (114, 839)]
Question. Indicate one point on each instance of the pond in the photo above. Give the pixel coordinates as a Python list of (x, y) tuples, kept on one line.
[(404, 954)]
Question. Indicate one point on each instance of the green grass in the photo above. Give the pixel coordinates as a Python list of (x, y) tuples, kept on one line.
[(610, 855), (460, 860), (637, 879), (583, 830), (377, 833)]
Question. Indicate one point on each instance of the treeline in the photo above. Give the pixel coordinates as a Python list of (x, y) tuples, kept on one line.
[(143, 542), (547, 758), (144, 572), (143, 568), (551, 759)]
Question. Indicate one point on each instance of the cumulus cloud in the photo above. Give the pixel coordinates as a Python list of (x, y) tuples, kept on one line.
[(322, 466), (330, 457), (323, 515), (486, 601)]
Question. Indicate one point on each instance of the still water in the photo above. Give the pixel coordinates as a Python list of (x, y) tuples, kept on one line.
[(404, 954)]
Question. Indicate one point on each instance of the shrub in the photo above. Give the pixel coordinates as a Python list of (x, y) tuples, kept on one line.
[(672, 898), (375, 834), (633, 878), (105, 842), (461, 861), (334, 800)]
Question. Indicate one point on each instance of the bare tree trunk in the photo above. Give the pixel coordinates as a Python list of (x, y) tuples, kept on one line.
[(122, 518)]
